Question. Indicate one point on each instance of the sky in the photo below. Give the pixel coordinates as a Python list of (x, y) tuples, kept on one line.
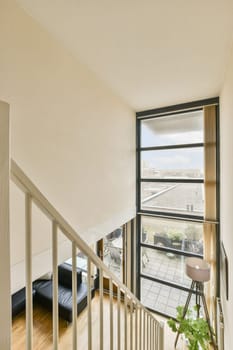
[(173, 130), (191, 158)]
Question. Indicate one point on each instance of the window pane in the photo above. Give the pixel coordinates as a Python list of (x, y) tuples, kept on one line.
[(184, 235), (187, 198), (175, 163), (163, 298), (172, 130), (113, 252), (165, 266)]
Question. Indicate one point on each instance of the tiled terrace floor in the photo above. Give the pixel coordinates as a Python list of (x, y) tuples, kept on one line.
[(166, 267)]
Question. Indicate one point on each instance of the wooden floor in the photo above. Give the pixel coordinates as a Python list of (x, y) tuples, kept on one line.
[(42, 329)]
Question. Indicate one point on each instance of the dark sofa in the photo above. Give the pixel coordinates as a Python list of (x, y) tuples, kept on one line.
[(43, 293), (18, 301)]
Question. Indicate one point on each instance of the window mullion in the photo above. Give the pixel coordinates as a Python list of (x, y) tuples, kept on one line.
[(167, 147)]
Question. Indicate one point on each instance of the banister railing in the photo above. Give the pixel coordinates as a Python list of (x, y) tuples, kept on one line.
[(141, 331)]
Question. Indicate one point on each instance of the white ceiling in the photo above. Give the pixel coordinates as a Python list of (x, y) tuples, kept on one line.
[(151, 53)]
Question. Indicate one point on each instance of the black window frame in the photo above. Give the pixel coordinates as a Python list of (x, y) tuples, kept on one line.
[(158, 113)]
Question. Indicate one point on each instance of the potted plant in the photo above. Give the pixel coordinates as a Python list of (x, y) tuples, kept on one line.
[(195, 330), (176, 237)]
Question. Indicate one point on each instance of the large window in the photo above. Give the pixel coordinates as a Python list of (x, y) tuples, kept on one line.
[(172, 201), (171, 164), (113, 252)]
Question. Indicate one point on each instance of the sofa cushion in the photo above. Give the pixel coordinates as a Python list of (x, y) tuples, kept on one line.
[(65, 275), (44, 295), (18, 301)]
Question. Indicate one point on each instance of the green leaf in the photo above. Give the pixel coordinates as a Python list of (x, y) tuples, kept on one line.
[(195, 330), (172, 324)]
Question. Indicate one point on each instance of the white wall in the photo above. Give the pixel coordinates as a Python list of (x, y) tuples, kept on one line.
[(5, 314), (70, 134), (226, 148)]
